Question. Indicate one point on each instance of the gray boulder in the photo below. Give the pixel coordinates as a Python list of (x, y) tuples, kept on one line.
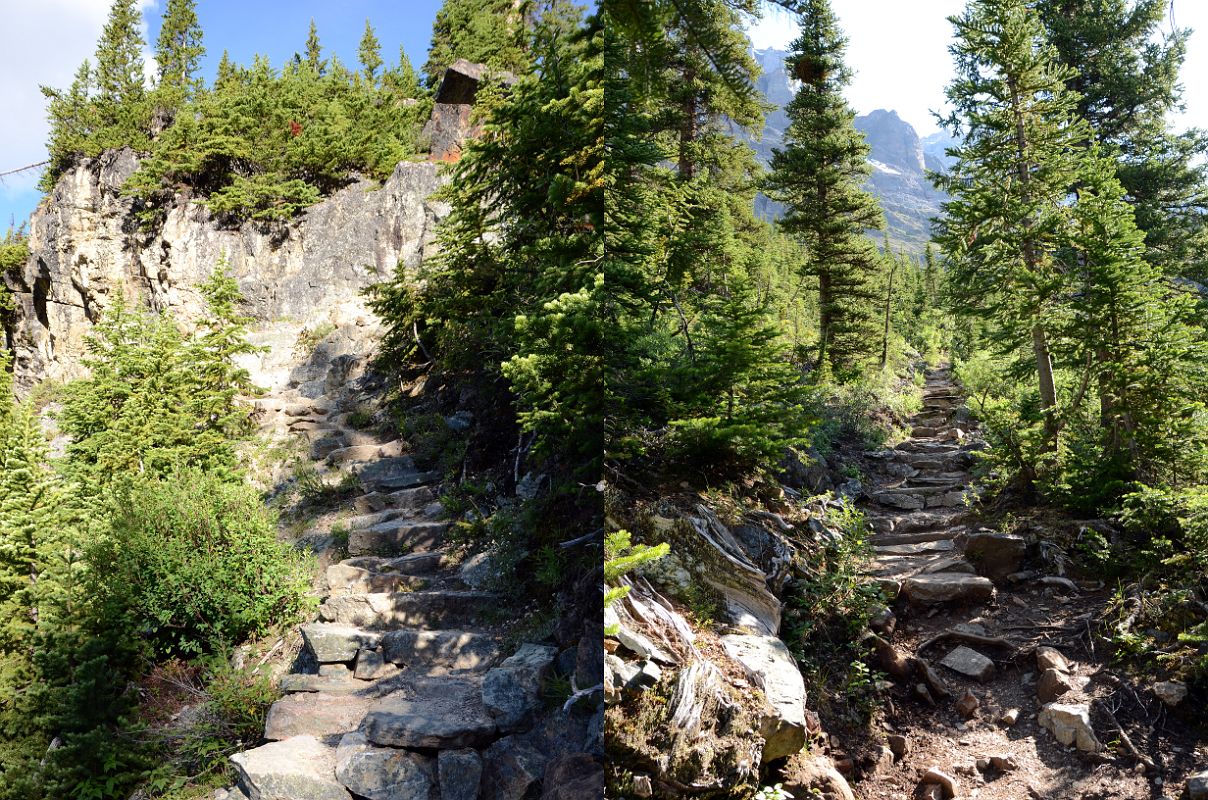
[(513, 767), (337, 643), (299, 768), (460, 774), (511, 692), (438, 713), (383, 773), (996, 555), (769, 664)]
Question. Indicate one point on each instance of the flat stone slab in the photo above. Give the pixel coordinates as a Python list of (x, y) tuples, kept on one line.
[(768, 662), (969, 662), (426, 609), (410, 564), (397, 537), (907, 501), (297, 683), (925, 546), (947, 588), (337, 643), (391, 474), (441, 652), (346, 579), (297, 768), (320, 715), (439, 713)]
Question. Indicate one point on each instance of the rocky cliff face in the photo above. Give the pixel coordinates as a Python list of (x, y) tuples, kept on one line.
[(898, 156), (87, 250)]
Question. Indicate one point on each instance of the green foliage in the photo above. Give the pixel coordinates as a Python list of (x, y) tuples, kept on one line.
[(259, 144), (488, 32), (157, 400), (195, 562), (522, 301), (819, 176), (827, 611), (776, 792), (621, 556)]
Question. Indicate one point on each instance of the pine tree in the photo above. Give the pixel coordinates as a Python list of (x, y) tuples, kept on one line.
[(1127, 80), (119, 56), (72, 120), (178, 50), (819, 176), (314, 51), (481, 31), (1015, 166), (370, 53)]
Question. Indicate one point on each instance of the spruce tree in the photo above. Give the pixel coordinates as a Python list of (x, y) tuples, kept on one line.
[(819, 176), (314, 50), (1015, 166), (481, 31), (1127, 78), (178, 50), (370, 53), (119, 57), (72, 121)]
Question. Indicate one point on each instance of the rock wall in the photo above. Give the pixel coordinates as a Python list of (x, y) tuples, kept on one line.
[(87, 249)]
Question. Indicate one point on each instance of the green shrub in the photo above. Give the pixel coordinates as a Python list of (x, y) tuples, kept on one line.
[(194, 563)]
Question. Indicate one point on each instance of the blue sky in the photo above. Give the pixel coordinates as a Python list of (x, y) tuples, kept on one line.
[(45, 41)]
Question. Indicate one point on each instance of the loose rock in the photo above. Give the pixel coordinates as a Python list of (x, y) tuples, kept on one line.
[(946, 782), (969, 662), (967, 705), (1170, 692), (1049, 658), (1070, 724), (382, 773), (460, 774), (1053, 683), (511, 692)]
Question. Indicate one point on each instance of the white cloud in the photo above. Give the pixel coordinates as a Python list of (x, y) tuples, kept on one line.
[(44, 44), (899, 53)]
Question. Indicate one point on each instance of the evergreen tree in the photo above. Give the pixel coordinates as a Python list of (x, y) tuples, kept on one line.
[(72, 120), (1127, 80), (819, 176), (178, 50), (370, 53), (481, 31), (314, 51), (119, 57), (1015, 165)]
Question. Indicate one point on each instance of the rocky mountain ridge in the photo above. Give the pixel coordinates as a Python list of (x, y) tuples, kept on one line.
[(900, 158)]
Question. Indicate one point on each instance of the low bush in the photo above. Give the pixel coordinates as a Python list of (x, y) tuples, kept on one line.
[(195, 564)]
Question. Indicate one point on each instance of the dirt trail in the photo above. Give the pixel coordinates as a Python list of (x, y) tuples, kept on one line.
[(932, 554)]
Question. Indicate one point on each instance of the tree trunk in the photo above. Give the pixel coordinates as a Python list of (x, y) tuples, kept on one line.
[(824, 316), (689, 129), (888, 312), (1048, 388)]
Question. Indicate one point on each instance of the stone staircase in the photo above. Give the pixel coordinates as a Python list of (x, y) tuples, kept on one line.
[(403, 688), (918, 506)]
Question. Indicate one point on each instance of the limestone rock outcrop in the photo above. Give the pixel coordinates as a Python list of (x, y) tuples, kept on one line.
[(88, 250)]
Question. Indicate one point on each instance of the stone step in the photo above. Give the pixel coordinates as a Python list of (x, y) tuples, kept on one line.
[(938, 589), (336, 643), (441, 652), (915, 548), (917, 521), (425, 609), (415, 498), (432, 713), (889, 539), (298, 683), (365, 451), (297, 767), (419, 564), (952, 479), (397, 537), (392, 474), (902, 567), (323, 716), (929, 447), (345, 579)]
